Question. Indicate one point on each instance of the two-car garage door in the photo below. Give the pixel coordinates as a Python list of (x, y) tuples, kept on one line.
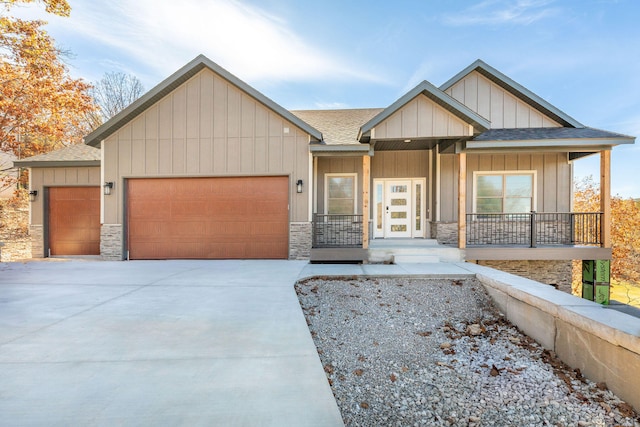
[(208, 218)]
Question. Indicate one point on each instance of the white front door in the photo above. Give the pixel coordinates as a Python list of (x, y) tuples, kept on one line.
[(397, 208)]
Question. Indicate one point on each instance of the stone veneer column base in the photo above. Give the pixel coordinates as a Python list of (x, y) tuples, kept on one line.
[(446, 233), (111, 242), (37, 241), (555, 273), (300, 240)]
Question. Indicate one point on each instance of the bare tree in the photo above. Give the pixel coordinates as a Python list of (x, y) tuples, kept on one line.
[(113, 93)]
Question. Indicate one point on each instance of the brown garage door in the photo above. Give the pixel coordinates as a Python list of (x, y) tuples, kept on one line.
[(74, 220), (208, 218)]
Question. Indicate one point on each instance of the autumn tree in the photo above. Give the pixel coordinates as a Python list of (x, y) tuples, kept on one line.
[(41, 107), (625, 229), (113, 93)]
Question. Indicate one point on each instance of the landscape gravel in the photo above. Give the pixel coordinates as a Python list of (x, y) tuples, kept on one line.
[(414, 352)]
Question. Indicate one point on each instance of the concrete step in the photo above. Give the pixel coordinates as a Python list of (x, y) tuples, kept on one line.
[(429, 253), (415, 259), (403, 243)]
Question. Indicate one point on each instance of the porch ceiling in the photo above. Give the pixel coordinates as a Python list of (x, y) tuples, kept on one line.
[(413, 144)]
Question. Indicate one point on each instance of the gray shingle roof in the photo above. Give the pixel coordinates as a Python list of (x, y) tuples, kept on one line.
[(338, 127), (73, 155), (571, 139), (546, 133)]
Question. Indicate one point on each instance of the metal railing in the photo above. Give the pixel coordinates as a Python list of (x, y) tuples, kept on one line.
[(533, 229), (337, 231)]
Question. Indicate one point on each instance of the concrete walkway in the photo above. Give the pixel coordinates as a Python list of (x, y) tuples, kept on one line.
[(155, 343)]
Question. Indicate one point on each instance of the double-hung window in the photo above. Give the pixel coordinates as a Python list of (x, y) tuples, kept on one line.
[(340, 192), (504, 192)]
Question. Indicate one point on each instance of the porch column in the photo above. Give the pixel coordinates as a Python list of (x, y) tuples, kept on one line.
[(462, 200), (366, 179), (605, 197)]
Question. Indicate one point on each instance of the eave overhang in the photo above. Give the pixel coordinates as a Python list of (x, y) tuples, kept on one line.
[(56, 163), (319, 150)]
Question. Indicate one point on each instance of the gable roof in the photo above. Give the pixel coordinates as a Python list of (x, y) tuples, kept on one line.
[(516, 89), (455, 107), (176, 79), (73, 155), (338, 127)]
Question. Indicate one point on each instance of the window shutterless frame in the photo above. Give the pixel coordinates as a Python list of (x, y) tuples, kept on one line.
[(327, 199), (504, 174)]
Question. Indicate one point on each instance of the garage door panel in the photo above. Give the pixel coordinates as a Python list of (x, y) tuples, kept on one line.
[(74, 220), (239, 217)]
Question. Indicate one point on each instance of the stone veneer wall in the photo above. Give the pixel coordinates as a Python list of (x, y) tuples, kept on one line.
[(556, 273), (37, 241), (300, 240), (111, 242), (446, 233)]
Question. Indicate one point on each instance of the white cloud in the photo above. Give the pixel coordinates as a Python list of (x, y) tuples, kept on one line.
[(500, 12), (250, 42)]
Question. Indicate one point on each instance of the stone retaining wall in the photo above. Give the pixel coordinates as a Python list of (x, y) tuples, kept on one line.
[(556, 273)]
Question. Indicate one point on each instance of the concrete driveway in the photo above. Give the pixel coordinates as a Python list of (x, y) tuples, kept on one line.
[(154, 343)]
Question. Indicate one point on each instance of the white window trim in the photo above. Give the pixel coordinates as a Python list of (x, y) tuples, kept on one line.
[(326, 190), (534, 173)]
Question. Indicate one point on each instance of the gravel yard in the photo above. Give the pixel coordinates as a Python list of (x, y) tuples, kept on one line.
[(404, 352)]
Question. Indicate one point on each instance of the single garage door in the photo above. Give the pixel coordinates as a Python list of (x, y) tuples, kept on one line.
[(74, 220), (208, 218)]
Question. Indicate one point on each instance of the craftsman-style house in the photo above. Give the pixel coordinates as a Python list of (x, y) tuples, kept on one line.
[(205, 166)]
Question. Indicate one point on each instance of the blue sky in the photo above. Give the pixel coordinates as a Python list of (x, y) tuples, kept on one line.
[(583, 56)]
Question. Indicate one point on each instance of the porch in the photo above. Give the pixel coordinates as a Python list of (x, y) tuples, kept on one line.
[(498, 236)]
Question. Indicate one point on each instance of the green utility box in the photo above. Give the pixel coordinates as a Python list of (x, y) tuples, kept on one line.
[(596, 280)]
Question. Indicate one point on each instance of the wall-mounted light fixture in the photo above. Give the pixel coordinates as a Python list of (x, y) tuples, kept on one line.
[(32, 195), (299, 186), (107, 187)]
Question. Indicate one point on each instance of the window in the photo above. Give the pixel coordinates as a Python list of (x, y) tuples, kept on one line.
[(504, 192), (340, 193)]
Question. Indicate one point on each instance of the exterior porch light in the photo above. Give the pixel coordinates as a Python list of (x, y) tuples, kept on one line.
[(107, 187), (32, 195), (299, 186), (407, 140)]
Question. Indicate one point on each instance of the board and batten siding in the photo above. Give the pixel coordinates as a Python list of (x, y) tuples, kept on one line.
[(384, 164), (206, 127), (496, 104), (338, 165), (40, 178), (421, 118), (553, 183)]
